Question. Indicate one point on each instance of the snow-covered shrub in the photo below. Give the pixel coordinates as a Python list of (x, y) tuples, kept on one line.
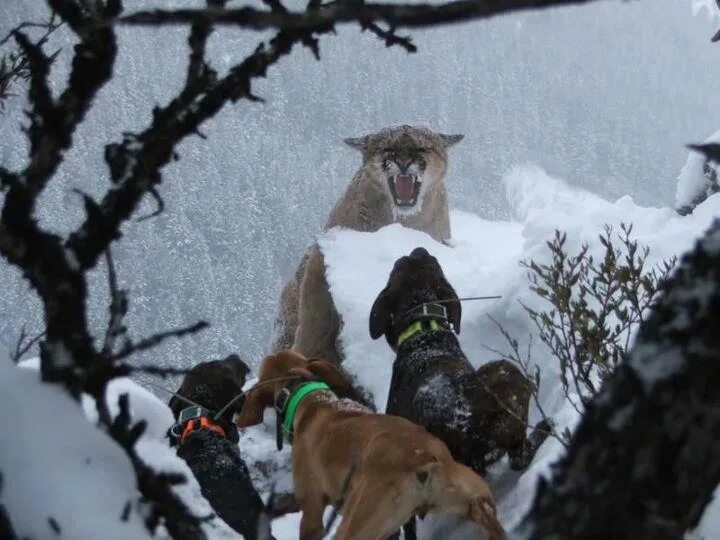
[(595, 304)]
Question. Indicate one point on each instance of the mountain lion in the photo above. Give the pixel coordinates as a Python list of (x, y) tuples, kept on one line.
[(401, 180)]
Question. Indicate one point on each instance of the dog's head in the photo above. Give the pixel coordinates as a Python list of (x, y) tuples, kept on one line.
[(415, 279), (213, 384), (278, 370)]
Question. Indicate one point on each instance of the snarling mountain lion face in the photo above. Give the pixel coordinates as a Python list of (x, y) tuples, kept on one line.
[(407, 161)]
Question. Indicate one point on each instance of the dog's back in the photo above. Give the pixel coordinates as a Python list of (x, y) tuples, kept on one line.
[(434, 385)]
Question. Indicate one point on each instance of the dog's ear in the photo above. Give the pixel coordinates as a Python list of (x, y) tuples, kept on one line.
[(330, 374), (257, 399), (175, 406), (238, 368), (454, 308), (381, 314)]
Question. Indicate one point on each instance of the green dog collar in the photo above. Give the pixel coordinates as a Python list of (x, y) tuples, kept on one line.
[(302, 391), (416, 328)]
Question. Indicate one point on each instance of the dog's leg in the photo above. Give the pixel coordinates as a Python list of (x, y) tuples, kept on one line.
[(311, 524), (482, 511), (458, 491), (521, 457), (373, 511)]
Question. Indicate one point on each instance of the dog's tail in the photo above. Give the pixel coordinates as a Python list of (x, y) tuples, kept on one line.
[(483, 512)]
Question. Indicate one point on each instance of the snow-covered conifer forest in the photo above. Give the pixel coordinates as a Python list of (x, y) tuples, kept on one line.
[(575, 117)]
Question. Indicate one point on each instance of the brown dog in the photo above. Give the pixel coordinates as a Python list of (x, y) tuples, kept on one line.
[(379, 469)]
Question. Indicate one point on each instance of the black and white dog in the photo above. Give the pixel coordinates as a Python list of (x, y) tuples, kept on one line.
[(208, 443), (480, 414)]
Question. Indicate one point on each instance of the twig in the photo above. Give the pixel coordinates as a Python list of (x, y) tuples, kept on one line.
[(390, 37), (161, 371), (22, 347), (50, 26), (118, 309), (534, 379), (155, 340)]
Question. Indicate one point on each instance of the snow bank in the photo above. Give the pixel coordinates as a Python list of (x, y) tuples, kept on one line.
[(57, 465)]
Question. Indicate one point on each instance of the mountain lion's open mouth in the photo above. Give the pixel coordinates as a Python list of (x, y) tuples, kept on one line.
[(405, 189)]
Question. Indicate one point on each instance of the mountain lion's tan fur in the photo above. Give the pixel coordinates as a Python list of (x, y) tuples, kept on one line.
[(307, 320)]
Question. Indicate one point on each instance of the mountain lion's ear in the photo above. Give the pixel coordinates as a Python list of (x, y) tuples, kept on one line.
[(450, 140), (359, 143)]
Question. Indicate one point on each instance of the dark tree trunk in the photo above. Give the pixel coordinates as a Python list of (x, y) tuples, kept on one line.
[(646, 457)]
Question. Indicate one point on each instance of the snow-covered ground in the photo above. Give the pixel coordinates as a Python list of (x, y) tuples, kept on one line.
[(57, 459)]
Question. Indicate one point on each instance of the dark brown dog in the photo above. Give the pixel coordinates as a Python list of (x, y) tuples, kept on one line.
[(379, 469), (209, 443), (480, 415)]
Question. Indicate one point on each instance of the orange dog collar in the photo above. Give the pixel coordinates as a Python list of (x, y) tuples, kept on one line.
[(203, 422)]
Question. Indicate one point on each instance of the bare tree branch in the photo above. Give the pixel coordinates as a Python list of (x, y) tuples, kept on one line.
[(155, 340), (390, 37), (345, 11), (118, 309)]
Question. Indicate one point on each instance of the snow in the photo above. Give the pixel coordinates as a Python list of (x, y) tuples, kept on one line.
[(692, 181), (57, 466), (482, 259)]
